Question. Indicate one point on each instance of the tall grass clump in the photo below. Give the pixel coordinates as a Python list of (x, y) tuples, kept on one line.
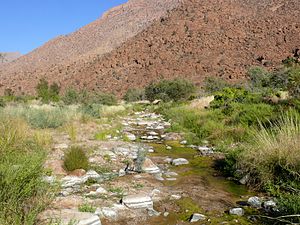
[(76, 158), (273, 157), (23, 194)]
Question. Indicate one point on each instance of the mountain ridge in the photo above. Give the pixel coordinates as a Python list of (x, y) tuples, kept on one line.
[(195, 39)]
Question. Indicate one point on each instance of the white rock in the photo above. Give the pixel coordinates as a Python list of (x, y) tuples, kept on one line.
[(255, 202), (171, 174), (236, 211), (175, 197), (92, 174), (138, 201), (197, 217), (101, 190), (67, 216), (184, 142), (269, 204), (149, 167), (169, 148), (71, 181), (61, 146), (166, 214), (131, 137), (109, 213), (168, 160), (180, 161), (122, 173), (49, 179)]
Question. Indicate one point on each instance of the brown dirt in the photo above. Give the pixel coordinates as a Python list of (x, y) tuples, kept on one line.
[(199, 38)]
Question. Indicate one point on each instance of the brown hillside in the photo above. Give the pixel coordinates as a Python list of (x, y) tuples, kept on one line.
[(199, 38)]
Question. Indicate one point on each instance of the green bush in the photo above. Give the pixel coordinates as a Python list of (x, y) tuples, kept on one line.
[(86, 207), (71, 96), (259, 78), (228, 96), (170, 90), (294, 82), (39, 118), (215, 84), (105, 99), (2, 103), (134, 95), (75, 158), (47, 93), (23, 194)]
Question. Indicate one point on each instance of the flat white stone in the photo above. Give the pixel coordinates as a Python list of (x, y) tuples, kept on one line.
[(138, 201), (180, 161)]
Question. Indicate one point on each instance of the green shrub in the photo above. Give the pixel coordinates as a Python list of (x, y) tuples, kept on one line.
[(170, 90), (227, 96), (294, 82), (71, 96), (23, 194), (2, 103), (251, 114), (134, 95), (105, 99), (93, 110), (75, 158), (259, 78), (215, 84), (289, 204), (86, 207)]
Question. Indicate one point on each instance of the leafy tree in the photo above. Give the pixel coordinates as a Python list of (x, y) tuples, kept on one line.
[(47, 93)]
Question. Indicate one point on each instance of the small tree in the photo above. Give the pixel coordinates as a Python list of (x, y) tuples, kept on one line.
[(71, 97), (133, 95), (168, 90), (294, 82), (47, 93)]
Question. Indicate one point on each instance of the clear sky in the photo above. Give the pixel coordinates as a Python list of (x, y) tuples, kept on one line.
[(27, 24)]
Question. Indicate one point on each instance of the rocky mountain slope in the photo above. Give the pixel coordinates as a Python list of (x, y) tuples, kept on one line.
[(196, 39), (6, 57)]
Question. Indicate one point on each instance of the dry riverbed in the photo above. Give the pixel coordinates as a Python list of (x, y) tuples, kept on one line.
[(140, 174)]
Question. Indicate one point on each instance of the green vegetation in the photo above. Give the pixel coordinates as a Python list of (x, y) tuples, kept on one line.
[(134, 95), (86, 207), (75, 158), (23, 194), (47, 93), (170, 90)]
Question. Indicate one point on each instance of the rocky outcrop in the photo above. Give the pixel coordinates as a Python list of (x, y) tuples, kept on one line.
[(6, 57)]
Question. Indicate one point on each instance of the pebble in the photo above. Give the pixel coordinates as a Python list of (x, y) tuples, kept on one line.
[(237, 211)]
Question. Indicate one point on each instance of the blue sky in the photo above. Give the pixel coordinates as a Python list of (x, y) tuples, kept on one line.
[(27, 24)]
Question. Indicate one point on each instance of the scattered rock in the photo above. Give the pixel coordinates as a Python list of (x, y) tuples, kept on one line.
[(204, 150), (245, 179), (270, 206), (138, 201), (122, 173), (152, 212), (166, 214), (180, 161), (101, 190), (109, 213), (197, 217), (175, 197), (149, 167), (169, 148), (68, 216), (131, 137), (255, 202), (237, 211), (71, 181), (184, 142)]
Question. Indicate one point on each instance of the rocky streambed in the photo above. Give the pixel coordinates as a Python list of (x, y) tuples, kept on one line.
[(153, 177)]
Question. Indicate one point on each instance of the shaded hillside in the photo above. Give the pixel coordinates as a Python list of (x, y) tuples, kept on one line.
[(198, 39), (101, 36)]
